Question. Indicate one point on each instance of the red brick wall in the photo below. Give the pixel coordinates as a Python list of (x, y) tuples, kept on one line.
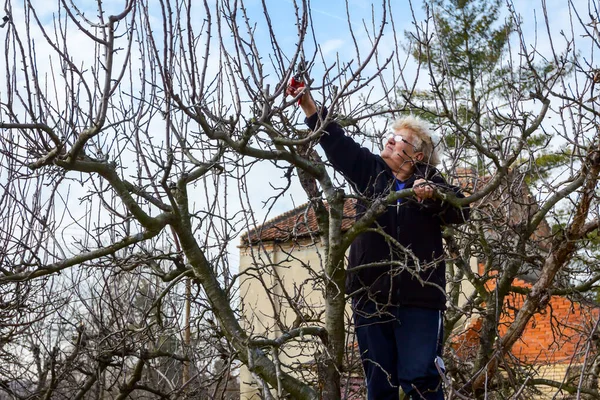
[(556, 335)]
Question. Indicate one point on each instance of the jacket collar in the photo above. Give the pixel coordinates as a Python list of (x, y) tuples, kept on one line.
[(421, 171)]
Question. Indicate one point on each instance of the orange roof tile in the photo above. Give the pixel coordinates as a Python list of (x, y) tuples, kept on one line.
[(297, 223)]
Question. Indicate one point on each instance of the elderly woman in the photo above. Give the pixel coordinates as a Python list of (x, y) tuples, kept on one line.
[(397, 286)]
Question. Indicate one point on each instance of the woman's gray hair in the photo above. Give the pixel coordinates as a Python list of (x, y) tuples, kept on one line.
[(421, 137)]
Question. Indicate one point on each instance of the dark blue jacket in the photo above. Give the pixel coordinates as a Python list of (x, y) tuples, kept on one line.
[(412, 271)]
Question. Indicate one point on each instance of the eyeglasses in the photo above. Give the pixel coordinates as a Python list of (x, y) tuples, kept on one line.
[(397, 138)]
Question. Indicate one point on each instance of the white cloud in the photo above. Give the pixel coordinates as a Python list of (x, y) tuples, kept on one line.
[(331, 46)]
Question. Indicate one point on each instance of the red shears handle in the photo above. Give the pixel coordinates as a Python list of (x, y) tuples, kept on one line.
[(297, 83)]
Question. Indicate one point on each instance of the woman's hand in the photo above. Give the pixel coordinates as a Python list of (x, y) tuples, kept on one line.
[(306, 101), (423, 189)]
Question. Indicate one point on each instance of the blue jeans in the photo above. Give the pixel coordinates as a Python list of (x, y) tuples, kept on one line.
[(398, 347)]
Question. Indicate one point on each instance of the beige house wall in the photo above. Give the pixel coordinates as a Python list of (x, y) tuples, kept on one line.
[(278, 280), (554, 372), (557, 373), (467, 287)]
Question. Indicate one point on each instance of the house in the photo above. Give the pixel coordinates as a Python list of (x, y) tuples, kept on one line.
[(280, 288)]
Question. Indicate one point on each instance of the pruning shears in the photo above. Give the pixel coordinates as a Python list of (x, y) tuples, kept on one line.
[(298, 81)]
